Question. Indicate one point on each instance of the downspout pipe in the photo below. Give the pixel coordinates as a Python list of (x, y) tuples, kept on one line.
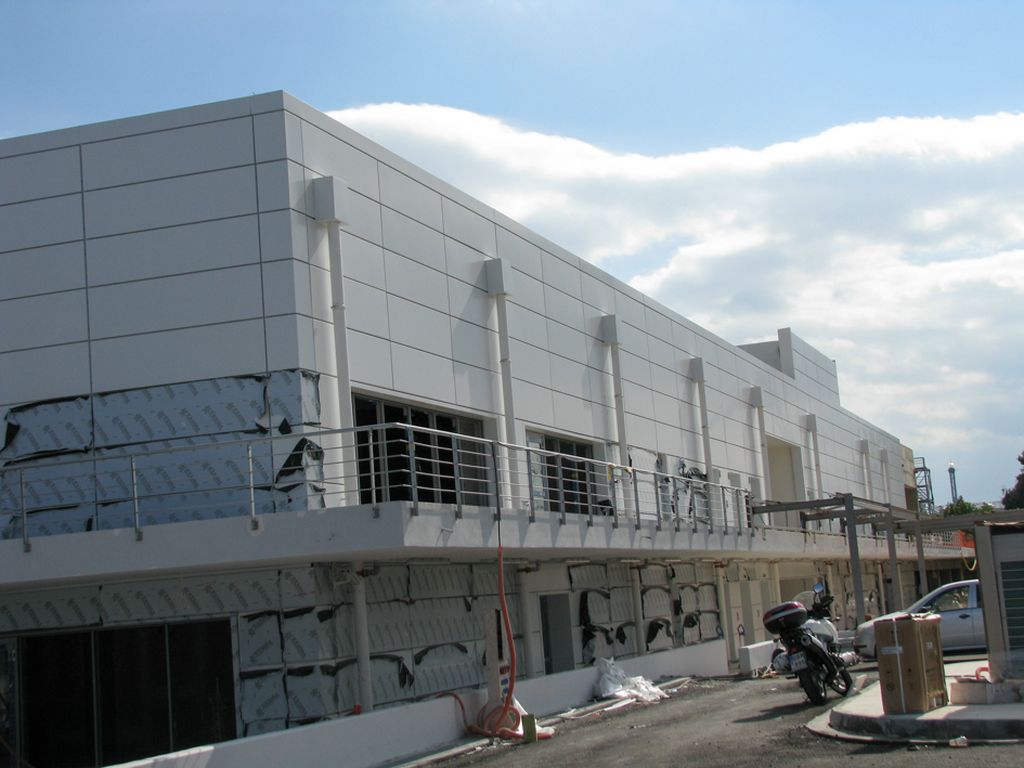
[(610, 336), (330, 202), (499, 280), (696, 373)]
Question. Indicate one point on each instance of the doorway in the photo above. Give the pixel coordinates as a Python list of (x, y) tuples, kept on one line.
[(113, 695), (556, 629)]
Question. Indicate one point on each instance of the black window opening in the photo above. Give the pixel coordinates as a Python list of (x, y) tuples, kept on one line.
[(568, 482), (448, 468), (114, 695)]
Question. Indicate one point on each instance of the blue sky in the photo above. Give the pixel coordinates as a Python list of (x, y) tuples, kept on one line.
[(870, 202)]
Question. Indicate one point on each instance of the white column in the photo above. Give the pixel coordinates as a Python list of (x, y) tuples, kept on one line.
[(498, 285), (360, 621), (696, 372), (812, 427), (885, 476), (610, 336), (331, 210), (757, 401), (638, 611), (528, 626), (865, 465)]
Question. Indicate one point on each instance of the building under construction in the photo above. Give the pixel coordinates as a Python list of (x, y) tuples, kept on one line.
[(273, 397)]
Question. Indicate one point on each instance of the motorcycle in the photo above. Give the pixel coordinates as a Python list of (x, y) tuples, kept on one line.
[(810, 645)]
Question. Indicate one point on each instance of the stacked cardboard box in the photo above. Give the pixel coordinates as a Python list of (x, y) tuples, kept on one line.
[(910, 668)]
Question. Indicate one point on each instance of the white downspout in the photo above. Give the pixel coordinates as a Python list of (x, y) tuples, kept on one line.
[(498, 275), (331, 209), (757, 400), (610, 336), (696, 372)]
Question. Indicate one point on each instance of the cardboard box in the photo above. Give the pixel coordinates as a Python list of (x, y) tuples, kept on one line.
[(910, 668)]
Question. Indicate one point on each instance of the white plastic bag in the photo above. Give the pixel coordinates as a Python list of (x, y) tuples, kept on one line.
[(612, 682)]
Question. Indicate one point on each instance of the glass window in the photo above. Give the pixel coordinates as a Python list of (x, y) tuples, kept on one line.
[(113, 695), (952, 600), (568, 483), (443, 464)]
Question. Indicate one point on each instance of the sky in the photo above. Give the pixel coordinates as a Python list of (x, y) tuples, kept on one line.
[(852, 170)]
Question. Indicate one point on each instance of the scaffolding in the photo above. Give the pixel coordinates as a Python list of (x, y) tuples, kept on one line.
[(925, 495)]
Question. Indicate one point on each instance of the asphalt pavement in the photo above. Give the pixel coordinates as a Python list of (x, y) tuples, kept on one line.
[(729, 722)]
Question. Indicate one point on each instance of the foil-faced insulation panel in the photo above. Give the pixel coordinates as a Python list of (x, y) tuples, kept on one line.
[(64, 464)]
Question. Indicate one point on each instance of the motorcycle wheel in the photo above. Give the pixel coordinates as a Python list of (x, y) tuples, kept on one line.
[(812, 680), (842, 682)]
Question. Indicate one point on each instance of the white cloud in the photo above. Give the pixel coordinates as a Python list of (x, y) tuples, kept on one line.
[(896, 245)]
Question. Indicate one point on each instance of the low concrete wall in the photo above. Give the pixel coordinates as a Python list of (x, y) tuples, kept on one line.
[(388, 735)]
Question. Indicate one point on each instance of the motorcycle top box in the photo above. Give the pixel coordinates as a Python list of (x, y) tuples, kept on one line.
[(785, 616)]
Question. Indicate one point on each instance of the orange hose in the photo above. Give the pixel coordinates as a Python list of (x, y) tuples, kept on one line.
[(504, 721)]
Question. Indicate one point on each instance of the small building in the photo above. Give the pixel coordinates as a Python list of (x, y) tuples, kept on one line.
[(272, 398)]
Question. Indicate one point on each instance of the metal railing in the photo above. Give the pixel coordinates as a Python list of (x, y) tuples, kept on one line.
[(144, 485)]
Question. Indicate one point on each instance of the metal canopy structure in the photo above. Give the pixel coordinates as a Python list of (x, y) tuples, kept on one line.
[(853, 511), (856, 511)]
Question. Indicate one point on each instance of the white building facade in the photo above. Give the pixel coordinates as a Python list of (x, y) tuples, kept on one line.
[(206, 313)]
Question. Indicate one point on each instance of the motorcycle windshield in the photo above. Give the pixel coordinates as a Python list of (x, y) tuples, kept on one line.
[(806, 597)]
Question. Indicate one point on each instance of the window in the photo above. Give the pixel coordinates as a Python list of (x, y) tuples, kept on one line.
[(568, 484), (443, 464), (113, 695), (952, 600)]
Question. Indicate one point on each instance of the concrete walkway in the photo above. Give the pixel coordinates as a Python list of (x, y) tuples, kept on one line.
[(861, 717)]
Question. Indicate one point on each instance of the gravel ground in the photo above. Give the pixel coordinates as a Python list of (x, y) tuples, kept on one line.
[(732, 723)]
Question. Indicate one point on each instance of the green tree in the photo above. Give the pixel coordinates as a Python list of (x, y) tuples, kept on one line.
[(1014, 497), (961, 507)]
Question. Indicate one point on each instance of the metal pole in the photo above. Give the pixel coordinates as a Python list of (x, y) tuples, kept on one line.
[(587, 469), (457, 476), (725, 511), (135, 501), (529, 484), (612, 492), (636, 497), (26, 545), (858, 580), (657, 500), (497, 480), (922, 570), (895, 585), (675, 501), (414, 492), (561, 489), (371, 441), (253, 522)]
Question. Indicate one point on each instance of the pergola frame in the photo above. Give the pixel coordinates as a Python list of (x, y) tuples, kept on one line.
[(856, 511)]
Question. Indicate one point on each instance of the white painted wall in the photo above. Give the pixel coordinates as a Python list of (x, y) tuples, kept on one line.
[(180, 246)]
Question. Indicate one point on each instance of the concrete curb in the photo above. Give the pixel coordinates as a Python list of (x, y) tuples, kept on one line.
[(862, 720)]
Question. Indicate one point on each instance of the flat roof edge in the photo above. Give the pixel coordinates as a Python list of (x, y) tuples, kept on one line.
[(154, 121)]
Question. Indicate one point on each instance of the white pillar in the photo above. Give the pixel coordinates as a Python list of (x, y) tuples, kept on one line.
[(865, 465), (638, 611), (498, 274), (331, 210), (757, 400), (360, 623), (884, 459), (696, 372), (610, 336), (527, 624)]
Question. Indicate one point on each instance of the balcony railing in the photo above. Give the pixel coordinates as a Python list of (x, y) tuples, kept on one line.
[(144, 485)]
